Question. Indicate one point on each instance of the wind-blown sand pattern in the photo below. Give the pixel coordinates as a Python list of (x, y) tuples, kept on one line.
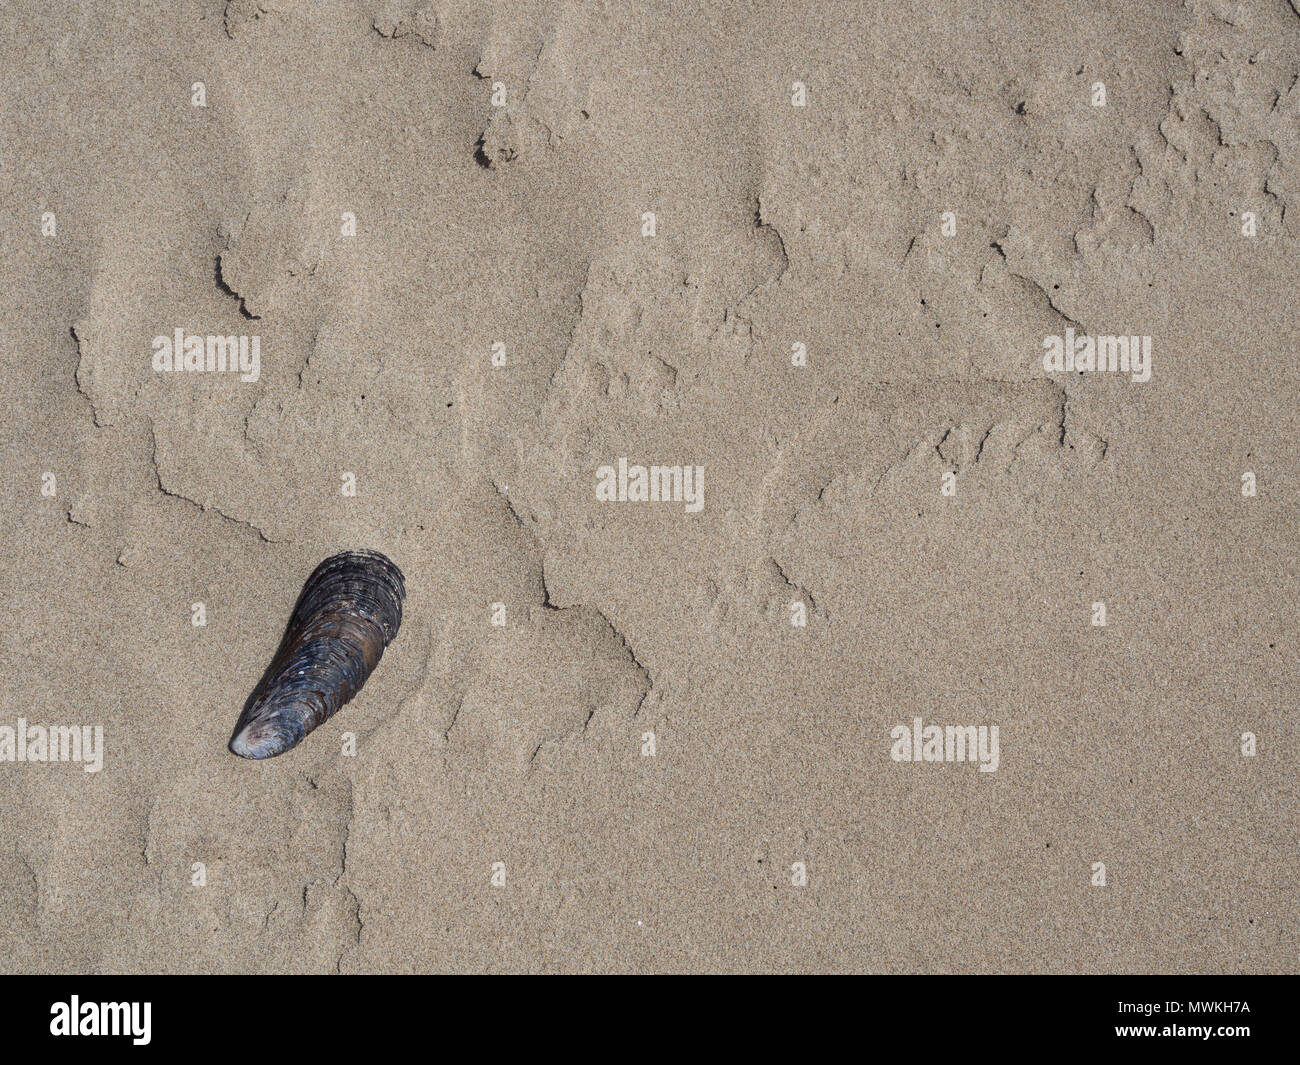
[(600, 744)]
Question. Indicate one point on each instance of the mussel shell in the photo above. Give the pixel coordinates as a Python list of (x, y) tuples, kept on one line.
[(349, 611)]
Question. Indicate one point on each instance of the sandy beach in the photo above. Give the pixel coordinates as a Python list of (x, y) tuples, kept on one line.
[(844, 459)]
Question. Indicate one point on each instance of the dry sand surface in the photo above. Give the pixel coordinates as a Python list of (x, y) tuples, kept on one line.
[(816, 249)]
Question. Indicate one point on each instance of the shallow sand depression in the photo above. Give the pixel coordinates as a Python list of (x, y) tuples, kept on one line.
[(776, 599)]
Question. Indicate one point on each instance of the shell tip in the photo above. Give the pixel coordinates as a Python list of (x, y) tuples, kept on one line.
[(245, 748)]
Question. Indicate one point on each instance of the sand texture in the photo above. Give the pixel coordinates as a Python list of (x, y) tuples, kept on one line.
[(810, 253)]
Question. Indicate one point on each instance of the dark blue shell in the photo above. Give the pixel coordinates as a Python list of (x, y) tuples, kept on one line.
[(349, 611)]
